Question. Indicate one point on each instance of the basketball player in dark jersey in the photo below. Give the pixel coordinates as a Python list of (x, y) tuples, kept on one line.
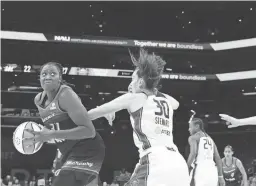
[(203, 153), (66, 122), (231, 168)]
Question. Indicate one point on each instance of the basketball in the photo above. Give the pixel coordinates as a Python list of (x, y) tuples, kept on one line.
[(26, 146)]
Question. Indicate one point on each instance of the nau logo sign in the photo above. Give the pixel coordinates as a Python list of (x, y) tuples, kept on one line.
[(61, 38)]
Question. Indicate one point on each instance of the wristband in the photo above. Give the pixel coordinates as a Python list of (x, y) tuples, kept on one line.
[(220, 176)]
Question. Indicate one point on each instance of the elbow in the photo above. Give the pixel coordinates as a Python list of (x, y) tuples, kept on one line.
[(178, 105), (93, 132), (88, 132), (193, 154)]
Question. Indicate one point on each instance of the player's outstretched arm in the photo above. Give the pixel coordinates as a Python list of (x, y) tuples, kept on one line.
[(120, 103), (243, 172), (234, 122), (193, 150), (218, 162), (71, 103)]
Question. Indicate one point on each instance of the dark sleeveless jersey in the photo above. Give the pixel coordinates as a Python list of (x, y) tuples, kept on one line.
[(231, 173), (56, 119)]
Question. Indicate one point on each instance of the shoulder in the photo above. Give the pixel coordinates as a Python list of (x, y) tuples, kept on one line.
[(134, 96), (237, 161), (174, 103), (68, 99), (66, 91), (135, 101), (193, 138)]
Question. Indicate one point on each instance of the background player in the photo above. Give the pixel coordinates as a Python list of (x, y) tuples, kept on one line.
[(231, 168), (67, 122), (151, 114), (203, 152), (234, 122)]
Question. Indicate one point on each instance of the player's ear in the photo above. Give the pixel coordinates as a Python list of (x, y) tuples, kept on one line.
[(141, 83), (197, 126)]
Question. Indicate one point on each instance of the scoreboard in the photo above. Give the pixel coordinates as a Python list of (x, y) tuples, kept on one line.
[(67, 70)]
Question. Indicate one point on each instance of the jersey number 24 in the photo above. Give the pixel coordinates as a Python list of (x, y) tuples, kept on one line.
[(207, 144)]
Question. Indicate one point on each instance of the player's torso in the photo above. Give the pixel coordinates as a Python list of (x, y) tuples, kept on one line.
[(205, 150), (231, 172), (56, 119), (153, 123)]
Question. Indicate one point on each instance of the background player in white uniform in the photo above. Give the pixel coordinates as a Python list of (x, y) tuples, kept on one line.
[(151, 113), (234, 122), (203, 152)]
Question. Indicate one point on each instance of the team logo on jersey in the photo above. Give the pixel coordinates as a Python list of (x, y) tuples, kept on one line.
[(232, 175), (53, 106)]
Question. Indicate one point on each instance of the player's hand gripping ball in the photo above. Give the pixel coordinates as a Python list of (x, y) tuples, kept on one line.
[(21, 133)]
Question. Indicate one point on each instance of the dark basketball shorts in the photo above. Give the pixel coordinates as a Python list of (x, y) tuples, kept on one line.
[(79, 168)]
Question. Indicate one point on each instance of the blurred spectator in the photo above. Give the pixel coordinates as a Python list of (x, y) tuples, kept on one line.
[(16, 183), (33, 181), (41, 182), (26, 183), (123, 177), (50, 181), (1, 183), (7, 180), (252, 181)]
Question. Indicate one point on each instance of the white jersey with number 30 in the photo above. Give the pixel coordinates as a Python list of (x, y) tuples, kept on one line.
[(205, 150), (153, 123)]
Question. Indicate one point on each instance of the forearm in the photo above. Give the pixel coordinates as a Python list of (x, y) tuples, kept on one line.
[(245, 180), (190, 160), (219, 167), (94, 114), (248, 121), (80, 132)]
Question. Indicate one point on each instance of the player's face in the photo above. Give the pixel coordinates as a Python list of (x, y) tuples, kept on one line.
[(192, 128), (135, 85), (228, 152), (50, 77)]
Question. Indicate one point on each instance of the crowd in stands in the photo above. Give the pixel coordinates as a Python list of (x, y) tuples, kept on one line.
[(119, 180)]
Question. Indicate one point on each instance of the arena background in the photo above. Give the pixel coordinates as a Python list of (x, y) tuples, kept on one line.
[(209, 48)]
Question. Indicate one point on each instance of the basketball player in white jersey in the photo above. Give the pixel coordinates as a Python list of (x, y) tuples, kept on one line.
[(203, 153), (234, 122), (151, 114)]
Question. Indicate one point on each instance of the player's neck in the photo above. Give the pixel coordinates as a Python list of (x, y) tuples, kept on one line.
[(198, 132), (51, 94), (148, 92), (229, 160)]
